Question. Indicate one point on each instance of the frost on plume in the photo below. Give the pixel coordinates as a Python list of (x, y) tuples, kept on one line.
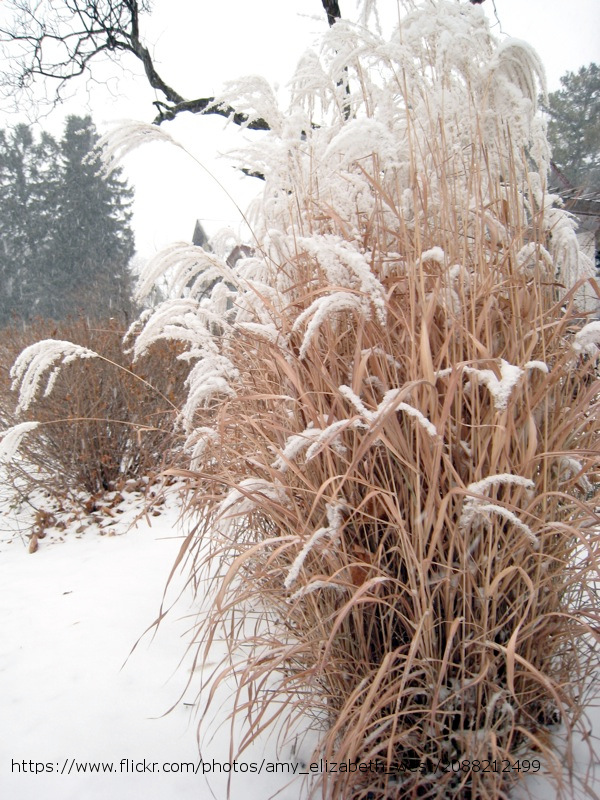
[(40, 359), (12, 438)]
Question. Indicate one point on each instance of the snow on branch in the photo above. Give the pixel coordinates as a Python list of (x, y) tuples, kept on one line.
[(197, 442), (329, 437), (346, 266), (476, 509), (315, 585), (361, 138), (390, 403), (181, 320), (502, 479), (518, 62), (248, 496), (294, 445), (212, 378), (572, 266), (254, 100)]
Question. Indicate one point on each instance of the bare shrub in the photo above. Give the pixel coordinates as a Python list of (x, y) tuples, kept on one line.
[(105, 421)]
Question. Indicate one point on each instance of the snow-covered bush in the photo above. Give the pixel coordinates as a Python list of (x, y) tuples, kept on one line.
[(392, 418)]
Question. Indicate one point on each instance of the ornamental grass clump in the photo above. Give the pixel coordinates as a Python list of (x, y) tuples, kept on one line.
[(395, 432), (392, 420)]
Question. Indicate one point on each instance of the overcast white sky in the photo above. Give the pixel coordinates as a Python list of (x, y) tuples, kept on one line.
[(197, 46)]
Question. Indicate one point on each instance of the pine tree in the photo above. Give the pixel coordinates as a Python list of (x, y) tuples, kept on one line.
[(27, 197), (93, 243), (573, 130), (65, 237)]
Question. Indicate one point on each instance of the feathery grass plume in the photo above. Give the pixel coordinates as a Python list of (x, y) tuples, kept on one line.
[(38, 360), (125, 137), (587, 340), (385, 425), (396, 501), (11, 439)]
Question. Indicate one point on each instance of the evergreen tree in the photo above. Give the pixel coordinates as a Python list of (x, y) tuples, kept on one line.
[(573, 128), (574, 135), (93, 243), (27, 196), (65, 238)]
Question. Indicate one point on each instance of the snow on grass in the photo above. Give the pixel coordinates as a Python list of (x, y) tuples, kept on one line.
[(40, 359), (12, 438)]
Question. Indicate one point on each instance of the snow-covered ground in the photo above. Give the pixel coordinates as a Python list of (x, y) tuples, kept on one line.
[(72, 692), (73, 695)]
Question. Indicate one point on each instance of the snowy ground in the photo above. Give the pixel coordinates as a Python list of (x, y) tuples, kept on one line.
[(72, 693)]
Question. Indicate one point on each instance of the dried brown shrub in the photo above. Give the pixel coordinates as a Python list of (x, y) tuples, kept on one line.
[(106, 421)]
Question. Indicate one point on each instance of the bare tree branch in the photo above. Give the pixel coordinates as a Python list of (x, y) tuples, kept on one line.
[(332, 8), (207, 105), (59, 40)]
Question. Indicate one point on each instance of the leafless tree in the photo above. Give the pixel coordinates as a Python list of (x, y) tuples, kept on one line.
[(58, 41)]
